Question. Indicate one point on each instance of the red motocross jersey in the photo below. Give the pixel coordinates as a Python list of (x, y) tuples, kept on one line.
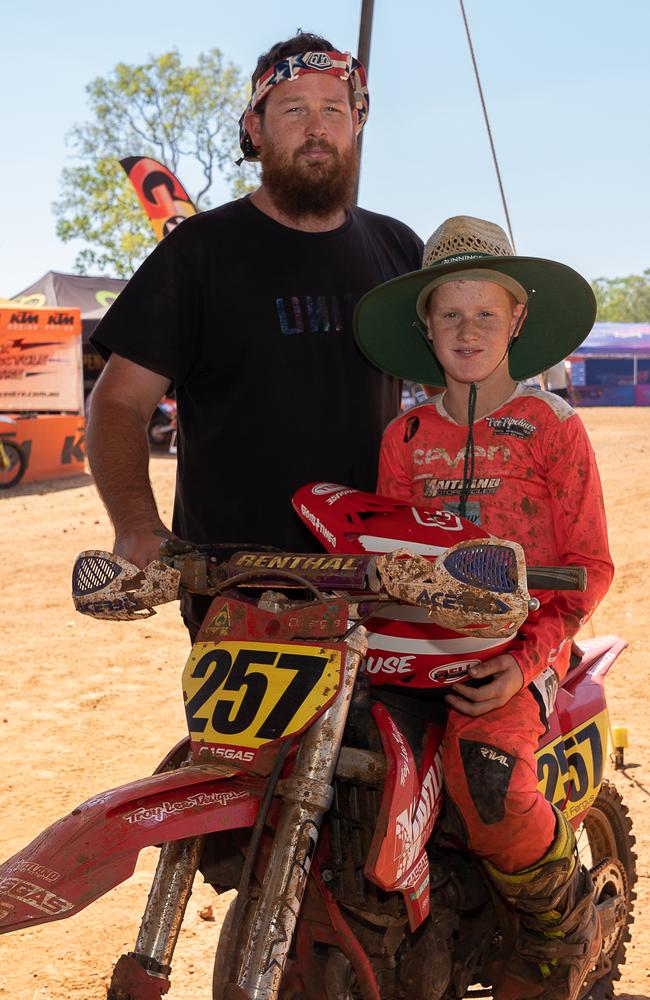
[(535, 482)]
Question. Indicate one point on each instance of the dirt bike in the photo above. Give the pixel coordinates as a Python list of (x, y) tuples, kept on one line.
[(311, 780), (161, 431), (12, 460)]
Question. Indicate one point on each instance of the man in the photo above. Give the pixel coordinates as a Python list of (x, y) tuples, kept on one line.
[(247, 309), (472, 324)]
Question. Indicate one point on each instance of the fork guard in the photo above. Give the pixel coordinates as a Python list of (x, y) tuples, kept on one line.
[(95, 847)]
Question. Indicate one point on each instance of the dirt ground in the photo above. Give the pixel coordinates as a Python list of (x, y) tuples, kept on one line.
[(89, 705)]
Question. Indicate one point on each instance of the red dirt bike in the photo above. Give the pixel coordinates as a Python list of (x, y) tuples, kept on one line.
[(311, 780), (161, 431)]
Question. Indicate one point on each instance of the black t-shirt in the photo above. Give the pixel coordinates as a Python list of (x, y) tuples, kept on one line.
[(253, 322)]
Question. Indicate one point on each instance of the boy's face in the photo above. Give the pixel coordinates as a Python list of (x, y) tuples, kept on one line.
[(470, 324)]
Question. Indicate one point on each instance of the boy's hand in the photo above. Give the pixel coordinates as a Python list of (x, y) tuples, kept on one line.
[(506, 680)]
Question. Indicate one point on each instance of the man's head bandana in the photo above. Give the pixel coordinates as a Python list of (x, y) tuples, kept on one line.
[(341, 64)]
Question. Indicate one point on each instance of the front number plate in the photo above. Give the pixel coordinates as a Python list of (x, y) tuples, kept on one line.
[(246, 694)]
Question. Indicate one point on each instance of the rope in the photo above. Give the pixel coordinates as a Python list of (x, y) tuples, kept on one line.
[(468, 465), (487, 124)]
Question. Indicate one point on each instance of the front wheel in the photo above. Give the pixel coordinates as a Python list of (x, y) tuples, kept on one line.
[(12, 464), (227, 940), (231, 938), (605, 842)]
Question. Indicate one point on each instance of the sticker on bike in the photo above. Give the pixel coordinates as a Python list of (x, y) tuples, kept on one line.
[(570, 770), (246, 694)]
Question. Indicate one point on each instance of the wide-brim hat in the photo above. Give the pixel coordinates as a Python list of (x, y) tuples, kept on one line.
[(389, 321)]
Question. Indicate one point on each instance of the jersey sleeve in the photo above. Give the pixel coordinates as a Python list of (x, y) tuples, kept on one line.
[(153, 321), (578, 509), (394, 479)]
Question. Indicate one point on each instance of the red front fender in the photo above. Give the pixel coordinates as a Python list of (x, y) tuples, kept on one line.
[(95, 847)]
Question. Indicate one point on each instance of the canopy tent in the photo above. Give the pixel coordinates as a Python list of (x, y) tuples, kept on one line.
[(617, 338), (91, 295), (612, 366)]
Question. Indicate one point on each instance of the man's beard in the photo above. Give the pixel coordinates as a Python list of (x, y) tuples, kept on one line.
[(299, 188)]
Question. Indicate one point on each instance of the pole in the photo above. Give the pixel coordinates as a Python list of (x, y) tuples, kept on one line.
[(487, 124), (363, 55)]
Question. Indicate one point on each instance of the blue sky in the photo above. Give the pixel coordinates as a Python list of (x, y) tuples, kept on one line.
[(566, 81)]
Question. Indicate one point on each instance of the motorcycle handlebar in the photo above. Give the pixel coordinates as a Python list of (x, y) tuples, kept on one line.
[(557, 577), (335, 571)]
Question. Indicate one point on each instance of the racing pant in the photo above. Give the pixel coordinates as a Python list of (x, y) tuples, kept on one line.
[(491, 778)]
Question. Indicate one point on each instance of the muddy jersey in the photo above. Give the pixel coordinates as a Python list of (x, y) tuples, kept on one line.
[(535, 481)]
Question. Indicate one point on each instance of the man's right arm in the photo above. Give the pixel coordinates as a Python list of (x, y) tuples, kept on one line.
[(121, 405)]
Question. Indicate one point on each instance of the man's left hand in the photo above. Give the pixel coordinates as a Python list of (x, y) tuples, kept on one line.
[(506, 680)]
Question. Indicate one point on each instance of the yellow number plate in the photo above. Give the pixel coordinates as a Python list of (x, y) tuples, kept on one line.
[(246, 694), (570, 769)]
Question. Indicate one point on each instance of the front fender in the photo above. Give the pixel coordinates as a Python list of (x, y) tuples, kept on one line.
[(95, 847)]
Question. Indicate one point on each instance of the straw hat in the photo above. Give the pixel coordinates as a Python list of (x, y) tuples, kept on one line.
[(561, 307)]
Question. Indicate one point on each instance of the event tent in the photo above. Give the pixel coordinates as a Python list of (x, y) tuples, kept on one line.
[(89, 294), (92, 295), (612, 366)]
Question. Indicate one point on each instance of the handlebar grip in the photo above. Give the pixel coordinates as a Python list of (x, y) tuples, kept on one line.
[(557, 577)]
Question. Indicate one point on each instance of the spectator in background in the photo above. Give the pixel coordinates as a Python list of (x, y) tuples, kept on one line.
[(558, 379)]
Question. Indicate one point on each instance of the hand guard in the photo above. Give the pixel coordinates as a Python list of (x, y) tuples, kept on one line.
[(106, 586), (477, 587)]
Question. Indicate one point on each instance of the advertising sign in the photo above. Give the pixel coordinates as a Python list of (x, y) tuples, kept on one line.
[(40, 360)]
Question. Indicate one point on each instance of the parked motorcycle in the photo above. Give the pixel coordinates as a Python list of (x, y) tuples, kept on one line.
[(161, 431), (311, 779)]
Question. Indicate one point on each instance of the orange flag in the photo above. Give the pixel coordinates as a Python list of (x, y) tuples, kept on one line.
[(161, 194)]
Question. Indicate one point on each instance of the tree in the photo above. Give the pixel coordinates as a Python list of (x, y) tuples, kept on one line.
[(185, 116), (623, 300)]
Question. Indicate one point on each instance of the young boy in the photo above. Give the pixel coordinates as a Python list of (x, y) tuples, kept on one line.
[(471, 325)]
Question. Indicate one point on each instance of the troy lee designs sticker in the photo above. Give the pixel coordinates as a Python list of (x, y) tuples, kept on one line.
[(158, 813)]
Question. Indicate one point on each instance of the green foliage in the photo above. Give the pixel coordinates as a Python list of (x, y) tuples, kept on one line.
[(623, 300), (185, 116)]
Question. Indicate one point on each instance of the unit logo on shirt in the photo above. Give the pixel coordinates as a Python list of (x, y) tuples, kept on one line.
[(452, 487), (514, 426)]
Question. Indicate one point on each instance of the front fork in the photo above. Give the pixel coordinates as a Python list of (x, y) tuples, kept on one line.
[(306, 796), (143, 974)]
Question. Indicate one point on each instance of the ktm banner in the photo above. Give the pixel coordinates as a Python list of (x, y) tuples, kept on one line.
[(53, 444), (40, 360), (161, 194)]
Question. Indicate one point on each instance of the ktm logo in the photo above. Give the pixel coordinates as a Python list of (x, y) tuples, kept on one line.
[(24, 317), (73, 449)]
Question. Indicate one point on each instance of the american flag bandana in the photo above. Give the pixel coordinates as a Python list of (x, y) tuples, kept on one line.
[(341, 64)]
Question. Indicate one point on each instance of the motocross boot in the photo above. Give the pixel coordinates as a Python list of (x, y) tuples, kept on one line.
[(559, 937)]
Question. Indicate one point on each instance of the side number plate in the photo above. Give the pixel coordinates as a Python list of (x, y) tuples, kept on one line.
[(246, 694), (570, 770)]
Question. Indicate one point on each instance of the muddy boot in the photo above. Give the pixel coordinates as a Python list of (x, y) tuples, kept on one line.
[(559, 936)]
